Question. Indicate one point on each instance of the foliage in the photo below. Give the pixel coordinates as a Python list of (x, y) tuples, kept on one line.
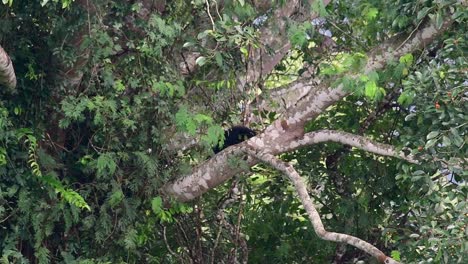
[(82, 163)]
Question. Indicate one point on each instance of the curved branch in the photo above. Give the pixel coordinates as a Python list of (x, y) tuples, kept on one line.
[(7, 73), (313, 214), (353, 140)]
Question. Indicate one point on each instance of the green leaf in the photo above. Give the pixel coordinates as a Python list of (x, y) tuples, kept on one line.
[(430, 143), (417, 178), (370, 13), (42, 254), (188, 44), (69, 195), (319, 7), (106, 164), (439, 20), (364, 78), (371, 89), (3, 153), (200, 118), (423, 12), (213, 135), (406, 98), (348, 83), (446, 141), (130, 240), (328, 69), (119, 86), (244, 51), (9, 2), (186, 122), (407, 59), (457, 140), (373, 76), (156, 205), (200, 61), (66, 3), (432, 135), (219, 59), (395, 255), (115, 198)]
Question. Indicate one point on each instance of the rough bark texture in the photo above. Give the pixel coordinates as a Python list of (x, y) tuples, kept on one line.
[(7, 73), (311, 98), (286, 133)]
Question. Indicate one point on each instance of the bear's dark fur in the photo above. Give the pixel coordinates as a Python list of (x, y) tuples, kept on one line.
[(235, 135)]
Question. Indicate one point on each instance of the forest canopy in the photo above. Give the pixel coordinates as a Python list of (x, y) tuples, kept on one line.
[(343, 125)]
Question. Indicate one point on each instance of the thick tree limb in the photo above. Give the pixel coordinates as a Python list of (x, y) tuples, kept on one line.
[(392, 49), (7, 73), (217, 170), (207, 175), (323, 95), (313, 214), (283, 132)]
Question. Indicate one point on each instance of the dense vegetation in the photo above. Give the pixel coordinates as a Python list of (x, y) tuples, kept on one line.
[(108, 91)]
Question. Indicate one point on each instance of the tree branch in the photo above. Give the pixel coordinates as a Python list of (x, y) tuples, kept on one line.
[(273, 40), (281, 134), (353, 140), (273, 37), (323, 95), (313, 214), (7, 73)]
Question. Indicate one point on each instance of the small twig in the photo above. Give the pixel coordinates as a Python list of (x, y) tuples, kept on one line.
[(10, 215), (209, 14), (412, 32), (213, 251), (217, 10), (348, 35), (239, 236), (113, 229), (168, 247), (185, 237)]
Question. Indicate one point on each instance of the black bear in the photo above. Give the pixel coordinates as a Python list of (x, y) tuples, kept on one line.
[(235, 135)]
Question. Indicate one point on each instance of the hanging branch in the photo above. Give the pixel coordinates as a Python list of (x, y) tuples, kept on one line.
[(313, 214)]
